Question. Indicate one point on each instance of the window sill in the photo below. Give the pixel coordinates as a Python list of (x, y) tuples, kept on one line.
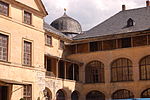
[(2, 61), (121, 81), (48, 45), (5, 17), (28, 66)]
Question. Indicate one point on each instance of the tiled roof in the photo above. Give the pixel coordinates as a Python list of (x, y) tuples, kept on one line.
[(117, 24)]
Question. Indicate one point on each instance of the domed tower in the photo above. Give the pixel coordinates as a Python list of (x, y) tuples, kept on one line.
[(67, 25)]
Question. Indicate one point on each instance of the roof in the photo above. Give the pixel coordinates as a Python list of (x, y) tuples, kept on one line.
[(117, 24), (49, 28), (67, 24)]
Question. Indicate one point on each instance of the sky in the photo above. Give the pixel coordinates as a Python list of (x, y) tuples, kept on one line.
[(89, 13)]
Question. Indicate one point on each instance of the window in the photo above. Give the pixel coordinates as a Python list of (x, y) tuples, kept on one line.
[(61, 45), (27, 53), (48, 40), (3, 47), (95, 46), (122, 94), (4, 8), (94, 72), (60, 95), (121, 70), (61, 69), (74, 72), (130, 22), (145, 68), (145, 93), (74, 95), (140, 40), (124, 43), (82, 48), (109, 44), (27, 94), (95, 95), (27, 18)]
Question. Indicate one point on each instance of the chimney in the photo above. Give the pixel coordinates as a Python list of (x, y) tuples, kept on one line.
[(123, 7), (147, 3)]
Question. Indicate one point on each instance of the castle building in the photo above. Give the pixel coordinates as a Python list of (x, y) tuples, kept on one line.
[(57, 61)]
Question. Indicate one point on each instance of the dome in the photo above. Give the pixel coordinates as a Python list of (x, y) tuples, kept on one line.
[(67, 25)]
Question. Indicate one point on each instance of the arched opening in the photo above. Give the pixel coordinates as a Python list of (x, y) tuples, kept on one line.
[(60, 95), (146, 93), (144, 67), (95, 95), (121, 70), (94, 72), (48, 94), (74, 72), (122, 94), (75, 95)]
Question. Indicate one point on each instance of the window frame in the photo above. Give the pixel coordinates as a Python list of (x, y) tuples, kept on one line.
[(122, 96), (7, 57), (95, 74), (61, 44), (51, 40), (8, 9), (26, 90), (116, 74), (31, 42), (146, 76), (31, 17)]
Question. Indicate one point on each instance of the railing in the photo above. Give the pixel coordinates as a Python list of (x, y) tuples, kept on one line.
[(50, 74)]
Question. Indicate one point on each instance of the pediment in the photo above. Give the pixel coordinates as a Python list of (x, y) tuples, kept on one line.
[(35, 4)]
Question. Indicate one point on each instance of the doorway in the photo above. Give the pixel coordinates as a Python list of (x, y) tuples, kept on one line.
[(3, 92)]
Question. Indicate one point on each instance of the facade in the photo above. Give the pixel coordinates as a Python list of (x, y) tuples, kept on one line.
[(57, 61)]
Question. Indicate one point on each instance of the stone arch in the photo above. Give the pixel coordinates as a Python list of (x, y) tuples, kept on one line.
[(95, 95)]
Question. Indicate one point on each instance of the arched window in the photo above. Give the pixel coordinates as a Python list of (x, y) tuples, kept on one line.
[(121, 70), (122, 94), (94, 72), (145, 93), (74, 72), (95, 95), (130, 22), (145, 68), (60, 95), (74, 95), (48, 94)]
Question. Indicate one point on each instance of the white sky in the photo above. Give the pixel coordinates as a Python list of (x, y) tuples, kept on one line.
[(88, 12)]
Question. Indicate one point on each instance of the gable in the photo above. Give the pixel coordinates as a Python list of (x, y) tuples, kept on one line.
[(35, 4)]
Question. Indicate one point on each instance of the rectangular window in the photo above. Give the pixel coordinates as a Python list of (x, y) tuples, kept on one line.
[(61, 45), (95, 46), (48, 40), (82, 48), (140, 40), (27, 18), (4, 8), (109, 44), (27, 92), (124, 43), (3, 47), (27, 53)]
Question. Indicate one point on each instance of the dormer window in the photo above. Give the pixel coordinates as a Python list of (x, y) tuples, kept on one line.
[(130, 22)]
